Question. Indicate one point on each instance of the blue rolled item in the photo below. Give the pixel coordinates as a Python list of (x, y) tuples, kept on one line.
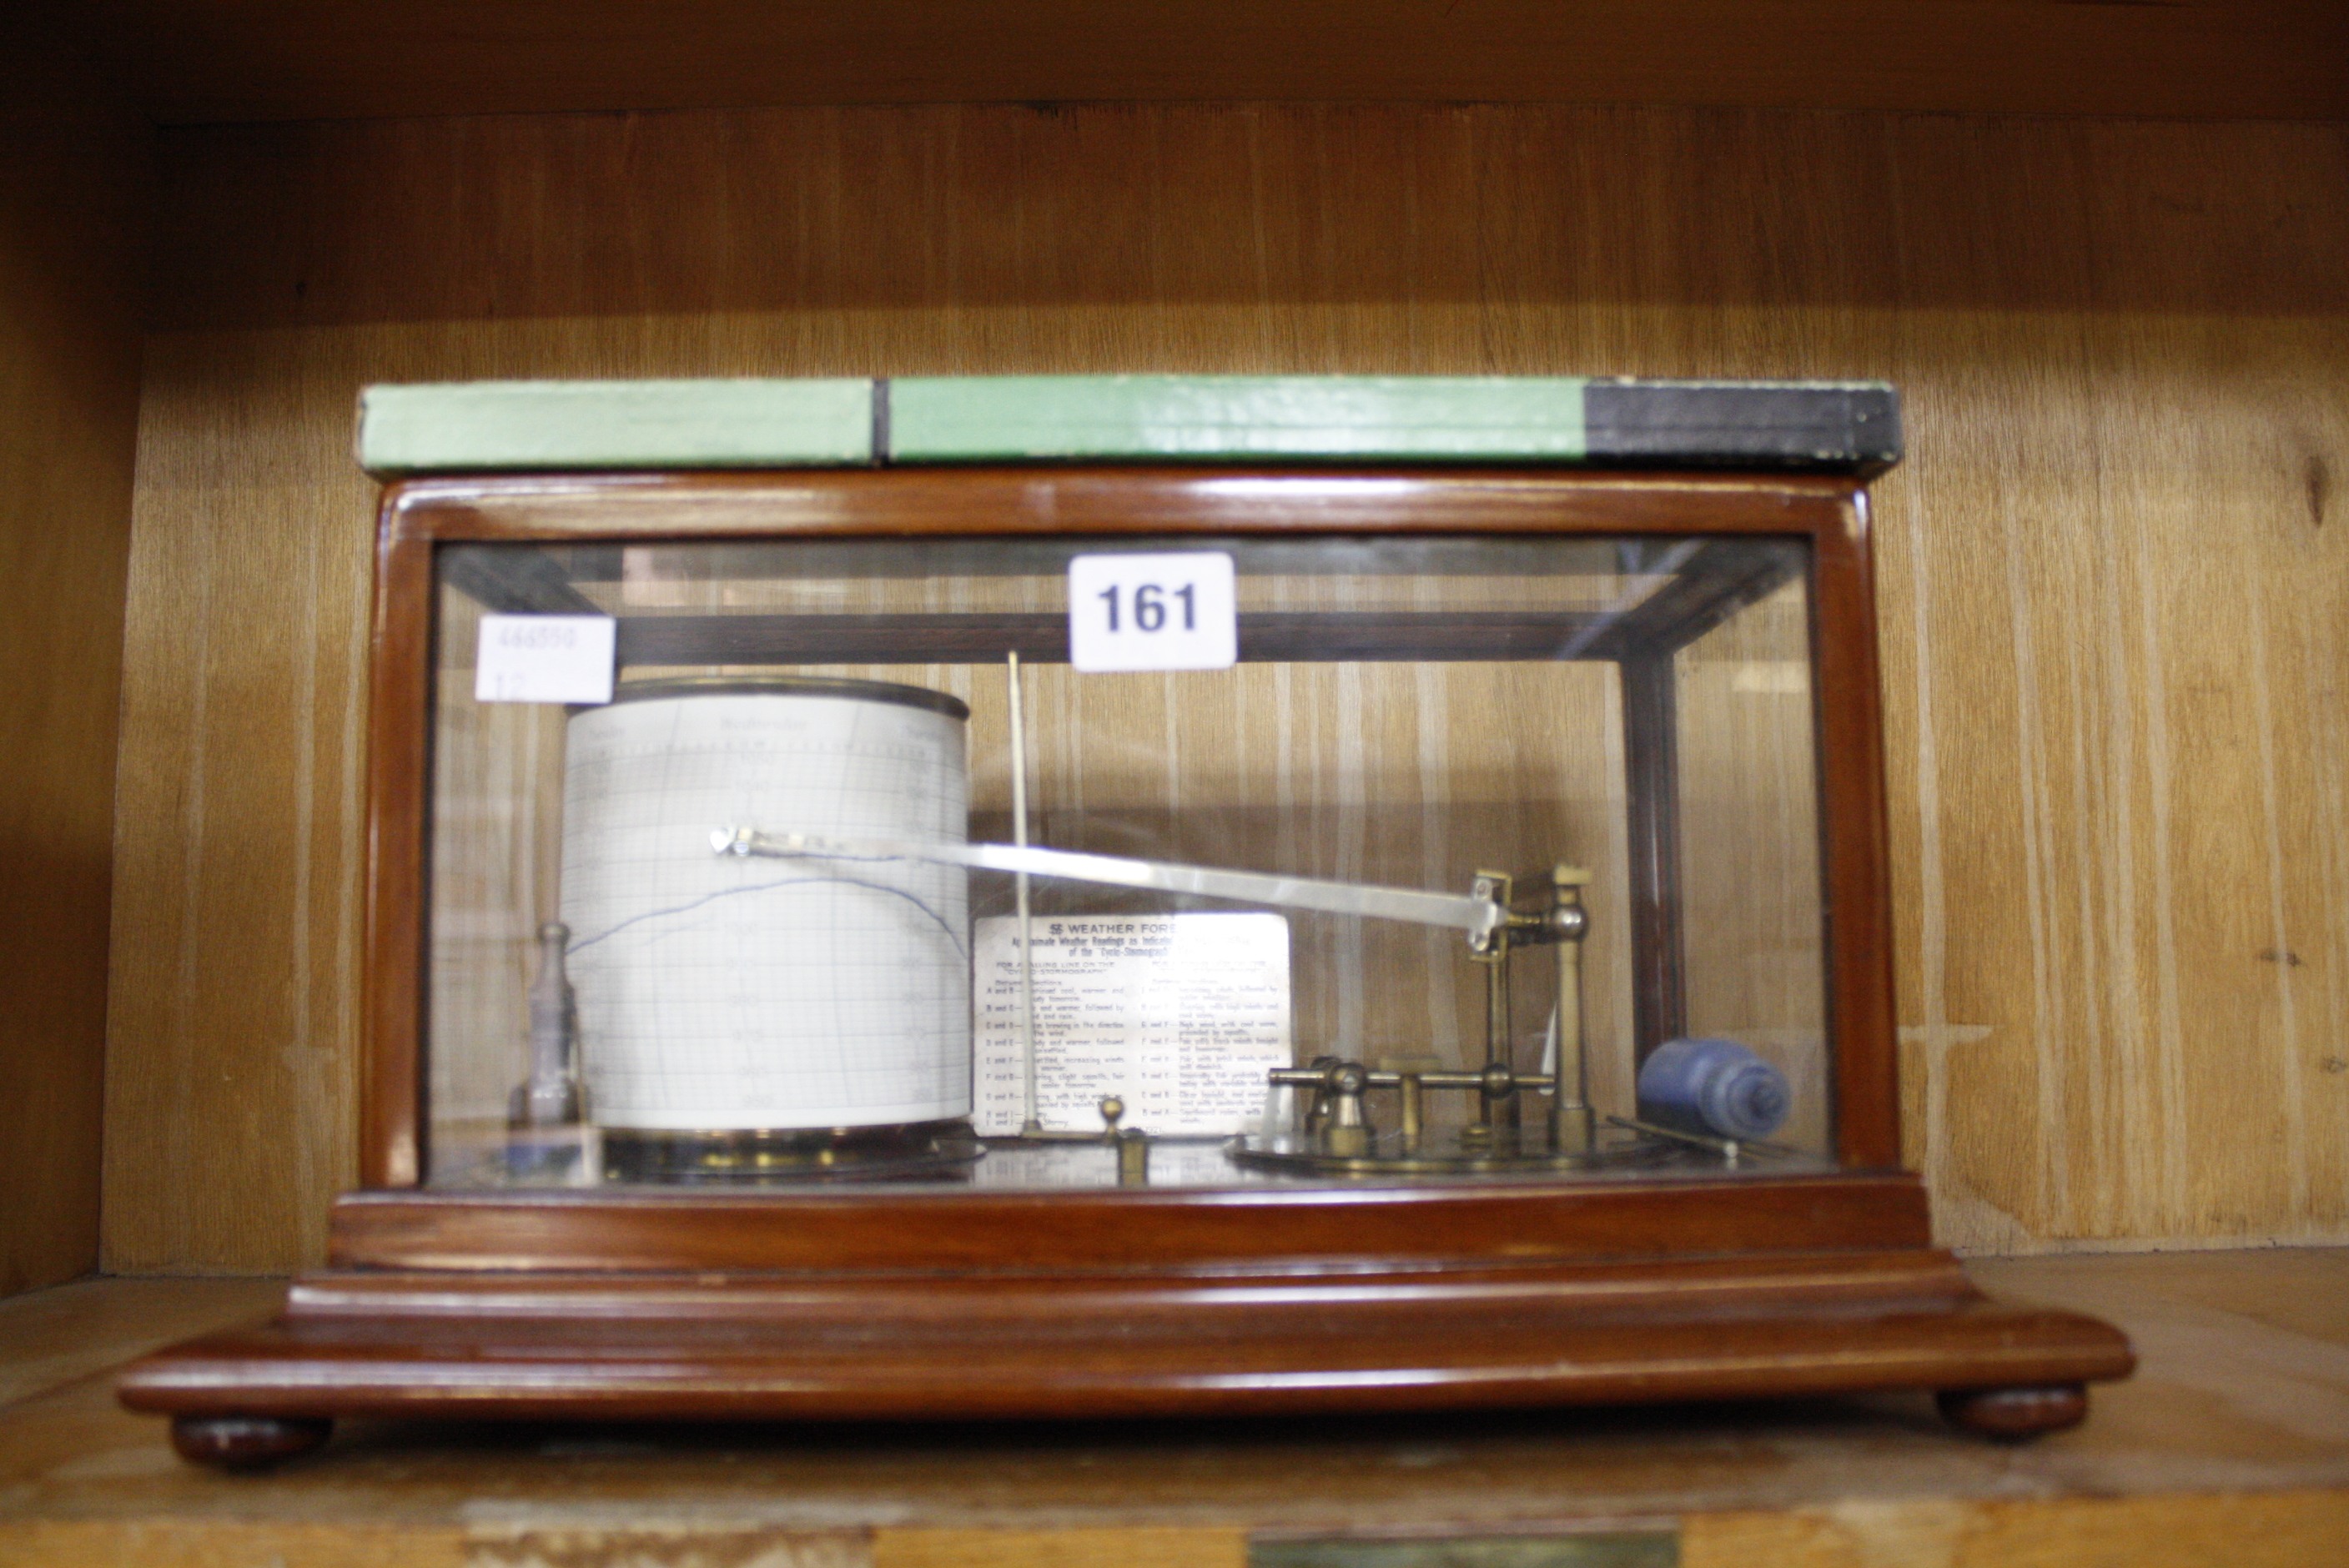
[(1713, 1086)]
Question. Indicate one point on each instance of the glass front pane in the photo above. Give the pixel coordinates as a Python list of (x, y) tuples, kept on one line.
[(1516, 846), (1749, 851)]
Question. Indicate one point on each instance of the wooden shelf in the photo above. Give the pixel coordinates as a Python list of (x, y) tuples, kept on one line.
[(196, 61), (2232, 1444)]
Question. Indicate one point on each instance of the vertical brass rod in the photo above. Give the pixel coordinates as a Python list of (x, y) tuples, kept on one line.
[(1570, 1120), (1512, 1115), (1495, 1002), (1031, 1123), (1492, 1014)]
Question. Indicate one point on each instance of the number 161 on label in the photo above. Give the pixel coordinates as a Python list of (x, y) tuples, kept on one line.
[(1172, 611)]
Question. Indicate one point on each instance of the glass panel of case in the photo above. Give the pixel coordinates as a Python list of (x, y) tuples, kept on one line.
[(1489, 860)]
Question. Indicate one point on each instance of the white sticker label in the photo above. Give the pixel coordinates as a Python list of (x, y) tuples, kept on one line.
[(544, 658), (1152, 612)]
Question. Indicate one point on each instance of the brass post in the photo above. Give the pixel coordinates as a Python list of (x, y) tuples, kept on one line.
[(1317, 1110), (1495, 957), (1132, 1158), (1500, 1050), (1570, 1105), (1348, 1130)]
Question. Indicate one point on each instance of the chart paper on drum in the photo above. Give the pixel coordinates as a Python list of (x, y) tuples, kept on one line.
[(719, 993)]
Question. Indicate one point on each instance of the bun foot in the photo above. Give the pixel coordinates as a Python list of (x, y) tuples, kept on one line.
[(247, 1442), (2014, 1415)]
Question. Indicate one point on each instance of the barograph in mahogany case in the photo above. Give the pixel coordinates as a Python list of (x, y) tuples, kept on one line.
[(1123, 896)]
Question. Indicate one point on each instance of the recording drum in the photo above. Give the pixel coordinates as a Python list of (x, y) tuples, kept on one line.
[(743, 1017)]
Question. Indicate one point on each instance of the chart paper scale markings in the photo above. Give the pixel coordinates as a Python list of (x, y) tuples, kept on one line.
[(719, 993)]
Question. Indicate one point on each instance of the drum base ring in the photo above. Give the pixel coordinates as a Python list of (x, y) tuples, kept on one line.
[(660, 1156)]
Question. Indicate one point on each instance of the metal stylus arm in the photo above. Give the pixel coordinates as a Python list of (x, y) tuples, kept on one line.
[(1480, 917)]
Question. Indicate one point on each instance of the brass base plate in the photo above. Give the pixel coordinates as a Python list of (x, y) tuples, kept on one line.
[(1446, 1153)]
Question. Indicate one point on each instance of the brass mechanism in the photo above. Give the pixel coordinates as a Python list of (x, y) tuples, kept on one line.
[(1337, 1136)]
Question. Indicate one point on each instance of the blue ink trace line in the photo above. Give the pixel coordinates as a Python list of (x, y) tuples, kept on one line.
[(936, 919)]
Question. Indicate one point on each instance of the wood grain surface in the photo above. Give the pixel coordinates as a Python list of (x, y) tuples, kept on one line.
[(1097, 1305), (69, 1331), (1146, 1235), (2112, 574), (2279, 1530), (74, 163), (280, 59), (2229, 1446)]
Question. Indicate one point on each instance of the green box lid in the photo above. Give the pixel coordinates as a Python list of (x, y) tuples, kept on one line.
[(525, 426), (485, 426), (978, 418)]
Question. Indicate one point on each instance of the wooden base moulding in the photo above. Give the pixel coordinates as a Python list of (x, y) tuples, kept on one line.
[(686, 1308)]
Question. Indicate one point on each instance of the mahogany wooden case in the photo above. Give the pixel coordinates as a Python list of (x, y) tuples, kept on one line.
[(920, 1302)]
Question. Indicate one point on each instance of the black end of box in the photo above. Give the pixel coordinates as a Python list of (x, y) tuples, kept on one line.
[(1824, 428)]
